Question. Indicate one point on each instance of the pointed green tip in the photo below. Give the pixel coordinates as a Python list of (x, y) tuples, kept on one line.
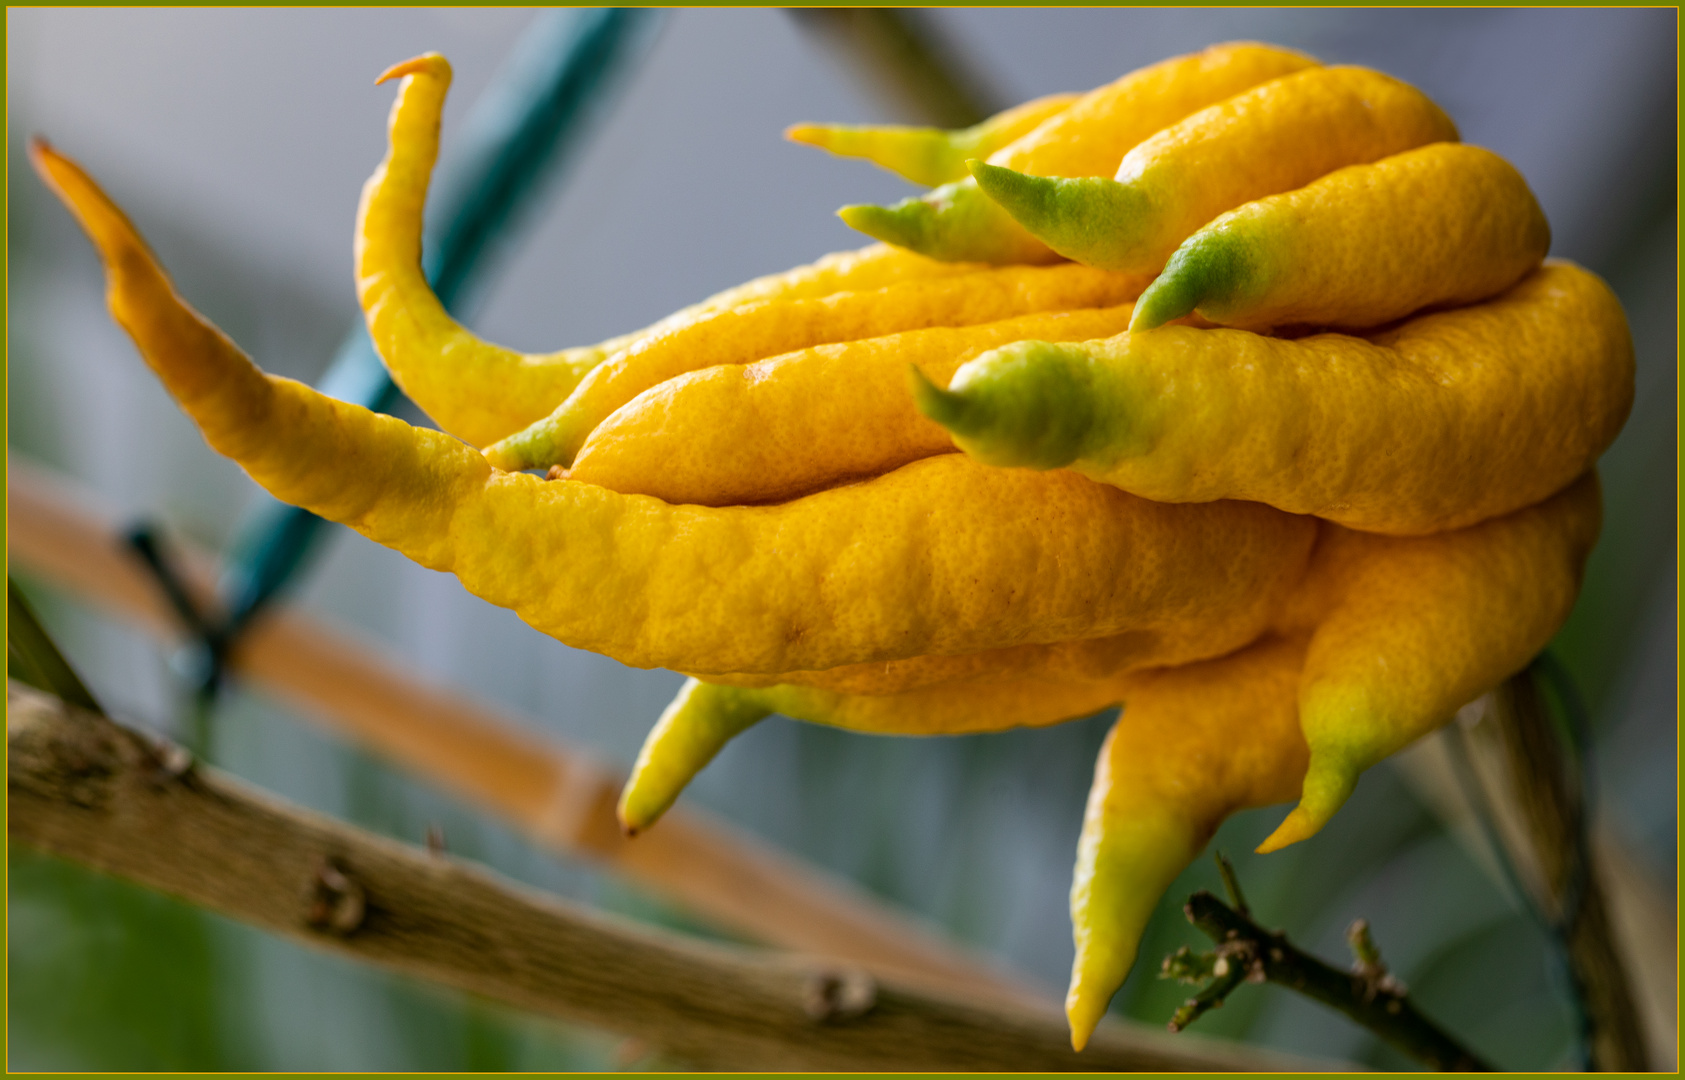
[(1212, 272), (529, 448), (1031, 200), (1168, 297), (1095, 221), (1328, 784), (905, 224), (946, 407)]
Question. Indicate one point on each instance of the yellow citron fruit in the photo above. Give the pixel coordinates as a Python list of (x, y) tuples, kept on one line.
[(942, 556), (958, 222), (1442, 226), (1194, 744), (927, 155), (1273, 138), (803, 421), (481, 392), (1422, 626), (1445, 420), (755, 331)]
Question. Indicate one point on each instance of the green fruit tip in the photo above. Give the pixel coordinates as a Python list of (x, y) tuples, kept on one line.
[(946, 407), (901, 224), (1029, 199), (1170, 296)]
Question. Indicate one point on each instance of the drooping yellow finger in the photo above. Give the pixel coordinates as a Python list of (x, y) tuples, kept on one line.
[(1194, 745), (927, 155), (942, 556), (751, 332), (1442, 226), (957, 221), (1421, 627), (1448, 419), (779, 428), (1273, 138), (472, 388), (698, 723)]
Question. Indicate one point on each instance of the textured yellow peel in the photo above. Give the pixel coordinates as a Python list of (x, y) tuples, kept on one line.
[(1442, 226), (1445, 420), (803, 421)]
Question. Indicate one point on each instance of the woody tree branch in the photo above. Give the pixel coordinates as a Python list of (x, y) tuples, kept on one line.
[(87, 789)]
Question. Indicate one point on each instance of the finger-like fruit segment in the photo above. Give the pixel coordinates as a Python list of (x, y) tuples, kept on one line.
[(1424, 625), (1443, 421), (1194, 744), (1444, 225), (480, 391), (927, 155), (957, 221), (755, 331), (797, 423), (1273, 138), (695, 727)]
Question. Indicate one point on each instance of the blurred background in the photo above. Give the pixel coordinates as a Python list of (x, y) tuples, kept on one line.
[(239, 140)]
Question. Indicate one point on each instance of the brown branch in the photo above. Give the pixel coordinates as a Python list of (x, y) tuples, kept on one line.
[(84, 788), (1248, 952)]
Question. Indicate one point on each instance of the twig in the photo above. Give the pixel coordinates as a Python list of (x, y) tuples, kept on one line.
[(1211, 997), (1231, 883), (84, 788), (1369, 995)]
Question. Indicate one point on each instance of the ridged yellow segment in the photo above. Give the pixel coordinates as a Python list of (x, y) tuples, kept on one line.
[(797, 423), (1422, 626), (1273, 138), (1446, 420), (927, 155), (957, 221), (755, 331), (1443, 225), (1080, 661), (1194, 745), (480, 391), (942, 556)]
